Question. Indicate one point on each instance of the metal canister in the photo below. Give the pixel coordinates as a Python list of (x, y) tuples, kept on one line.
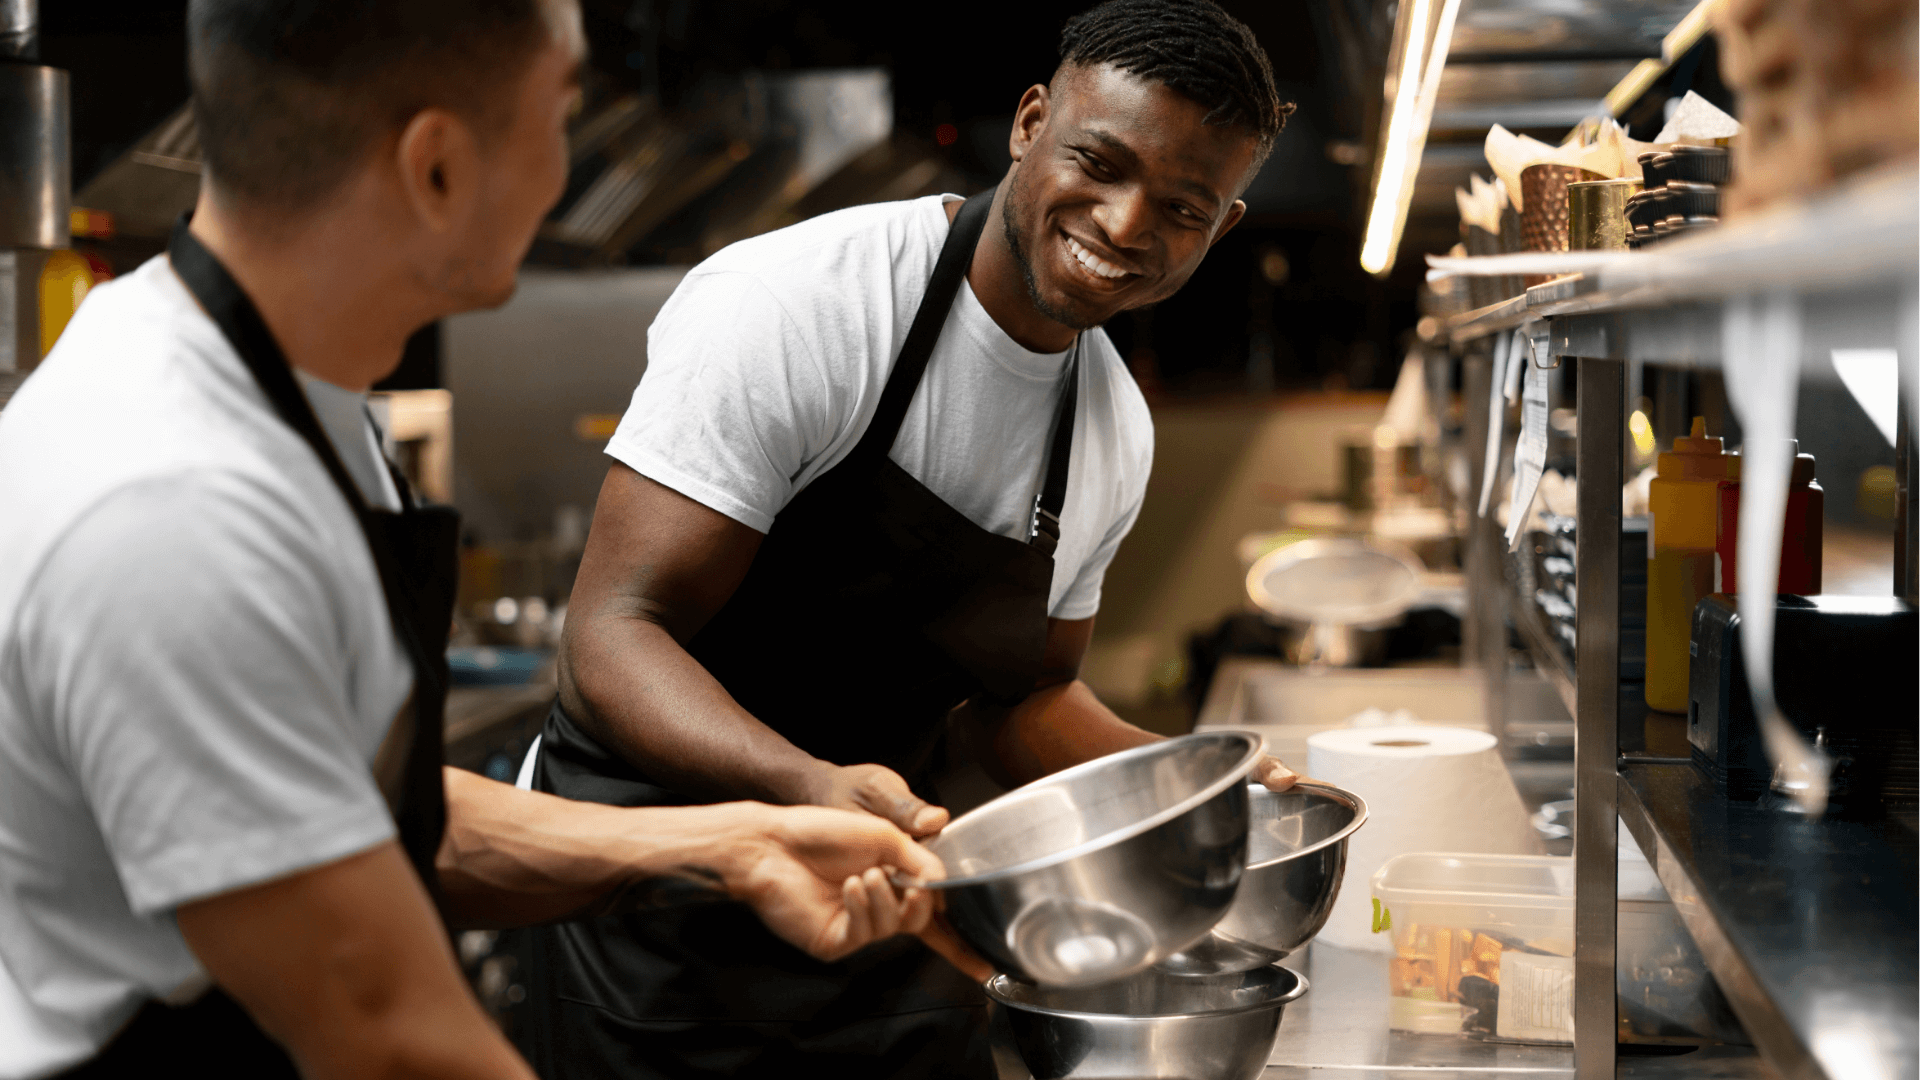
[(1543, 214), (1597, 214)]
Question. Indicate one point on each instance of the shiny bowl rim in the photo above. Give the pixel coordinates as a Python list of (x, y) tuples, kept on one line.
[(1372, 616), (1226, 780), (993, 987), (1339, 794)]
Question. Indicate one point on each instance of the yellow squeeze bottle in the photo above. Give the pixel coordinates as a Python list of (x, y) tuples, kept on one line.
[(1685, 503)]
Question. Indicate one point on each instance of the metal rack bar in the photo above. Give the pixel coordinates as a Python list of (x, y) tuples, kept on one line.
[(1602, 422)]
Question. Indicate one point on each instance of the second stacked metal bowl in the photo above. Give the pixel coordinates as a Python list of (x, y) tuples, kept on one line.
[(1296, 856)]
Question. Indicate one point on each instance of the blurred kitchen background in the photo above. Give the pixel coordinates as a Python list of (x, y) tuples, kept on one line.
[(706, 123)]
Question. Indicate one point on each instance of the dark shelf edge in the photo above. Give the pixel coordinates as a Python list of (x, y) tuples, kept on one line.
[(1782, 1029)]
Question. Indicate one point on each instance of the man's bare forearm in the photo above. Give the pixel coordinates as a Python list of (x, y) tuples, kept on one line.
[(631, 686), (816, 876), (515, 858), (1054, 728)]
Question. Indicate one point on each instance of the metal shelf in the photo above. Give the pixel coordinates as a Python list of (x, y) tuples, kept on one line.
[(1807, 925), (1852, 258)]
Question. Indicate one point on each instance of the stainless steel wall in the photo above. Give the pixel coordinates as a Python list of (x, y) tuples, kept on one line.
[(531, 381)]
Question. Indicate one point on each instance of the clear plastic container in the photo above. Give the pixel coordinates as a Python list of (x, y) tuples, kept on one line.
[(1483, 945)]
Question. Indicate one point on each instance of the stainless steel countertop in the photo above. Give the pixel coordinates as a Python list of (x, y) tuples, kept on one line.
[(1338, 1031)]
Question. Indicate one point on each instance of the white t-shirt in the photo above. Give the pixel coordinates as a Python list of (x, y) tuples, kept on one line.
[(196, 662), (766, 365)]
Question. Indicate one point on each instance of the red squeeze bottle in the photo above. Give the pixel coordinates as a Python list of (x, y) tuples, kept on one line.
[(1800, 541)]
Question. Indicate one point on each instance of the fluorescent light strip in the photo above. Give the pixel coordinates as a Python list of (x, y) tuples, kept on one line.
[(1417, 89), (1376, 252), (1688, 32), (1630, 88), (1685, 35)]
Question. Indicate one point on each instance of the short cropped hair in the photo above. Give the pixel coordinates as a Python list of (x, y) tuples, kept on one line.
[(289, 95), (1192, 47)]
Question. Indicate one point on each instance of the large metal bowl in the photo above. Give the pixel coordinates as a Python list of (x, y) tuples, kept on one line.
[(1107, 868), (1219, 1027), (1296, 855)]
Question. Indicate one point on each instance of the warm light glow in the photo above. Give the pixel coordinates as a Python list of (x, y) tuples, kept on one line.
[(1416, 86), (1642, 431), (1684, 36), (1376, 253), (1688, 31), (1630, 88)]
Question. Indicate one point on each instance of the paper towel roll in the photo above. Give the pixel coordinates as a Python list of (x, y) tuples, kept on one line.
[(1427, 788)]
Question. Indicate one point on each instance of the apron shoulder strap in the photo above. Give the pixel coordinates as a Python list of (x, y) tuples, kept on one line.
[(956, 254), (413, 552), (1044, 532)]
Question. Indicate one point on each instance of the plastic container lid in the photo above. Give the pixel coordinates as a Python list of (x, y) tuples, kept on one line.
[(1468, 890), (1803, 464)]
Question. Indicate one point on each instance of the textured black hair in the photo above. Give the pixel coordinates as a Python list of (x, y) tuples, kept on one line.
[(1191, 46), (288, 95)]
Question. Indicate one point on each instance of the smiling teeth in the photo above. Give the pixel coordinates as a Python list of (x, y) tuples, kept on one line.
[(1094, 262)]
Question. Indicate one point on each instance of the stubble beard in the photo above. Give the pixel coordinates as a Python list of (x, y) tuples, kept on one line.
[(1052, 311)]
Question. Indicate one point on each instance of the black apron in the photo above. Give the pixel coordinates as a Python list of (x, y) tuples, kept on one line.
[(871, 610), (416, 552)]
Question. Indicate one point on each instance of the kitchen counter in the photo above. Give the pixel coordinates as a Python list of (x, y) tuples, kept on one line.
[(1338, 1031), (1807, 924)]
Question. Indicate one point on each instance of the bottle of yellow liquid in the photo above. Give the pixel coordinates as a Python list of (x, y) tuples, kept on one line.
[(64, 282), (1685, 503)]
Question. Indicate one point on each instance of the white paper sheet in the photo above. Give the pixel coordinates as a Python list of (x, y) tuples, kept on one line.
[(1697, 120), (1530, 453), (1507, 355), (1760, 346)]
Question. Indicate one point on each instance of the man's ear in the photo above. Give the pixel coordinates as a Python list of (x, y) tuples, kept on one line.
[(1234, 213), (439, 168), (1028, 119)]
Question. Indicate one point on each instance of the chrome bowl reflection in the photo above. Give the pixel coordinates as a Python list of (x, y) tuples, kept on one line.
[(1219, 1027), (1296, 855), (1107, 868)]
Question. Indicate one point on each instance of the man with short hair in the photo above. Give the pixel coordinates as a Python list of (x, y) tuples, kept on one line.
[(223, 618), (877, 467)]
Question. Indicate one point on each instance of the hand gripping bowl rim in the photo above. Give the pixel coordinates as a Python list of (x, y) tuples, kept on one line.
[(1118, 836), (993, 988), (1339, 794)]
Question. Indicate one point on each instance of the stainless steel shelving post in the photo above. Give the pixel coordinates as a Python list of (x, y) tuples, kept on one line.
[(1596, 746)]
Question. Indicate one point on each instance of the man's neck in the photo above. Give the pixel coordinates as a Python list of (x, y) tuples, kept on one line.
[(1001, 287), (338, 311)]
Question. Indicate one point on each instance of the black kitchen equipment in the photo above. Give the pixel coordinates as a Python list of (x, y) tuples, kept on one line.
[(1701, 164), (1653, 168), (1644, 211), (1682, 192), (1690, 200), (1843, 675)]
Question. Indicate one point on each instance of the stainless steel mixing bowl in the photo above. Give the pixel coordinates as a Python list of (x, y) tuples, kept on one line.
[(1107, 868), (1219, 1027), (1296, 855)]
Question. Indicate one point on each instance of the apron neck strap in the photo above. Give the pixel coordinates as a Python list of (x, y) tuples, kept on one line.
[(1044, 531), (232, 310), (956, 254)]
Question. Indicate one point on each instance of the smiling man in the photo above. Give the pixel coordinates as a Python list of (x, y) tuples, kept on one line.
[(876, 469)]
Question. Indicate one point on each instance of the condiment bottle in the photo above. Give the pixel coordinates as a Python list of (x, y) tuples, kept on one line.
[(1801, 535), (1684, 500)]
